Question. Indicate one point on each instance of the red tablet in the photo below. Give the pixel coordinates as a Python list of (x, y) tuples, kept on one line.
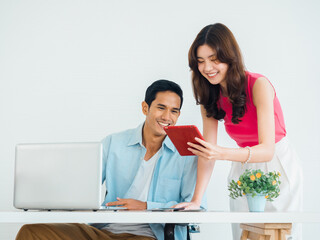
[(180, 135)]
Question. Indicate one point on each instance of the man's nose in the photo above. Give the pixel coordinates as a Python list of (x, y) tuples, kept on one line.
[(166, 115)]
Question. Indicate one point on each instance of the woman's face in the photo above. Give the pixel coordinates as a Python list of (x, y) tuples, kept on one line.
[(210, 67)]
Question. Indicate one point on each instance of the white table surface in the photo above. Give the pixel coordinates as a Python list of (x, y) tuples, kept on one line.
[(156, 217)]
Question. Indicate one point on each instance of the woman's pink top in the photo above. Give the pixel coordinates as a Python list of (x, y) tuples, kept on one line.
[(246, 132)]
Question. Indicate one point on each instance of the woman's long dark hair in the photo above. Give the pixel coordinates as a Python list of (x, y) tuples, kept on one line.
[(219, 38)]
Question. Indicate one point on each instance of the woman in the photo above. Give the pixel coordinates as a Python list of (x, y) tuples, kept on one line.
[(248, 104)]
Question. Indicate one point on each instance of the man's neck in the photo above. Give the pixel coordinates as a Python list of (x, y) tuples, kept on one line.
[(151, 142)]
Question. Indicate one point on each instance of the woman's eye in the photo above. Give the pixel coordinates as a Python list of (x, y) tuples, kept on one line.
[(215, 60)]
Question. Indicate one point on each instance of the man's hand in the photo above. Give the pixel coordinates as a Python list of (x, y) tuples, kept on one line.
[(187, 205), (130, 204)]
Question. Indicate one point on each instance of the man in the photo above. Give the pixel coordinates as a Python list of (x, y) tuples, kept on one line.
[(142, 170)]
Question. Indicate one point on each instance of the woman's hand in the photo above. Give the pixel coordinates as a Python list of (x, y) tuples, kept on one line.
[(206, 150), (187, 205)]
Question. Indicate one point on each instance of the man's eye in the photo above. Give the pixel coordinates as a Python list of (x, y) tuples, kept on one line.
[(161, 108)]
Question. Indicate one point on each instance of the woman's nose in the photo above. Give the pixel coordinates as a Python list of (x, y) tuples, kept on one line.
[(208, 66)]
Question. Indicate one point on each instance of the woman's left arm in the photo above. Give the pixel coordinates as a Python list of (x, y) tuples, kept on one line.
[(263, 95)]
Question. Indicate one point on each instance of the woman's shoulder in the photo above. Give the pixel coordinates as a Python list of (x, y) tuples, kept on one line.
[(252, 78)]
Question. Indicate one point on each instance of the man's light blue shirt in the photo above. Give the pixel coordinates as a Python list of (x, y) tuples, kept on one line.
[(173, 179)]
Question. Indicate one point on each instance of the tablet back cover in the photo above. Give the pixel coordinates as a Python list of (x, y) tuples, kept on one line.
[(180, 135)]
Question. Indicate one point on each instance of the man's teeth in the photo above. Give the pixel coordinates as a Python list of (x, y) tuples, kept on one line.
[(164, 124), (212, 75)]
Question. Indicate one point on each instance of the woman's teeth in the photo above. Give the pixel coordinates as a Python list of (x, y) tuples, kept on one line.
[(213, 74)]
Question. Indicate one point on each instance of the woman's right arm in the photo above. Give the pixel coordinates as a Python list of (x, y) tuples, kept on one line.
[(205, 168)]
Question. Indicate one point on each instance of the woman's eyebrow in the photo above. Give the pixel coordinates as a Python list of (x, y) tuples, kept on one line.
[(212, 55)]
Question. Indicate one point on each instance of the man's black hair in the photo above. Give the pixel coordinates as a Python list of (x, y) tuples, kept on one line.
[(162, 86)]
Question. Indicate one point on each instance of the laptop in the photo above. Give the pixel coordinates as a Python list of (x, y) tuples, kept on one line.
[(58, 176)]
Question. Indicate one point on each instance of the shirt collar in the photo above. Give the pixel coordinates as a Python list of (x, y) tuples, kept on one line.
[(136, 138), (167, 142)]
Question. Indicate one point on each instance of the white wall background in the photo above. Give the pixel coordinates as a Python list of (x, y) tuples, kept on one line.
[(78, 70)]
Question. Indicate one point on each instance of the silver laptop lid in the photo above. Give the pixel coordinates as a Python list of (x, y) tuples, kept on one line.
[(58, 176)]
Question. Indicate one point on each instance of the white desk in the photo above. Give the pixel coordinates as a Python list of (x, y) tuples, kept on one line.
[(156, 217)]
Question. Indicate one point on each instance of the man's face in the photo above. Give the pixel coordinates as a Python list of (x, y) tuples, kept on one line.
[(163, 111)]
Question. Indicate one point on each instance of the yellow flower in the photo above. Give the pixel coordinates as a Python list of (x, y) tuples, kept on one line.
[(274, 182), (258, 175), (243, 193), (266, 196), (279, 174), (252, 177), (239, 183)]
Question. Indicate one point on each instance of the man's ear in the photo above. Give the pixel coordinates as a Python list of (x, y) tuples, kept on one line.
[(145, 107)]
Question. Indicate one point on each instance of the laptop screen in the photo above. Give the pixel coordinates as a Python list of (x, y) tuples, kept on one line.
[(58, 176)]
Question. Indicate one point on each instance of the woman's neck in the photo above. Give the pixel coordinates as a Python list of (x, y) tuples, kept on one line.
[(223, 89)]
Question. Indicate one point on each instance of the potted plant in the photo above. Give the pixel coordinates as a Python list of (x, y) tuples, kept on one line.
[(257, 186)]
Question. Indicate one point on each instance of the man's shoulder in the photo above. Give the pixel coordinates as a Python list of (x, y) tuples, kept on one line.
[(123, 136), (124, 133)]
